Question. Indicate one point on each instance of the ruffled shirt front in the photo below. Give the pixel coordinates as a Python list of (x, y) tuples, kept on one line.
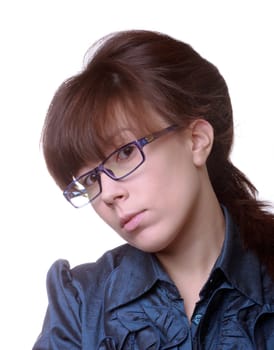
[(126, 301)]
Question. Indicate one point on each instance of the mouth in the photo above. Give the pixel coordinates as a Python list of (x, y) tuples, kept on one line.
[(131, 222)]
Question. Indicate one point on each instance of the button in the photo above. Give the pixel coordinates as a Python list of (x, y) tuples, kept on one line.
[(196, 319)]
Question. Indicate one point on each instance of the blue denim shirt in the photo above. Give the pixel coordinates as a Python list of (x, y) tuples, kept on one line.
[(126, 301)]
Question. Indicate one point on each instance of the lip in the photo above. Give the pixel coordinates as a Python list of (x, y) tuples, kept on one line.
[(130, 222)]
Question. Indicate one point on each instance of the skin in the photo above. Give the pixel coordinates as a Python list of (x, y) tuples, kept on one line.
[(168, 207)]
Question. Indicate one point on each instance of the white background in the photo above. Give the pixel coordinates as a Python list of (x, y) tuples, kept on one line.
[(42, 43)]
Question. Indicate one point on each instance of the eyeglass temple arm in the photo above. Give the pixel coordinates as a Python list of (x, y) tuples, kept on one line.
[(149, 138)]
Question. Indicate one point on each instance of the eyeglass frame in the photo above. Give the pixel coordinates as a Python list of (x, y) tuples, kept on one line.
[(139, 143)]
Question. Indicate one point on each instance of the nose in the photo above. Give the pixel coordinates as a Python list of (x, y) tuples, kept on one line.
[(112, 191)]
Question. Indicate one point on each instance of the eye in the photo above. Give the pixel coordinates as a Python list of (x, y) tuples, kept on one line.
[(90, 179), (126, 152)]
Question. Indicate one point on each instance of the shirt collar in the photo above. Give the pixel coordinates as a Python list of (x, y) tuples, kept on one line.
[(240, 266), (137, 274), (139, 271)]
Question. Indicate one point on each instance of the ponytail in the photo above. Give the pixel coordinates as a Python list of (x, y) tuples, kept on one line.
[(255, 221)]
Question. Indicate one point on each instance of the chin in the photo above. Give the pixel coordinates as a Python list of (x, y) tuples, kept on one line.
[(150, 240), (149, 247)]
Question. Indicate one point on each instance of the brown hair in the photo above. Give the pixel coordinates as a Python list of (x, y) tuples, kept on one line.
[(130, 73)]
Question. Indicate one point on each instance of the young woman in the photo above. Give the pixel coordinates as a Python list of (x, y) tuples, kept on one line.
[(144, 134)]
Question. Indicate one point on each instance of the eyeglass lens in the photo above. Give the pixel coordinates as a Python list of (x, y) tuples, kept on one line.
[(118, 165)]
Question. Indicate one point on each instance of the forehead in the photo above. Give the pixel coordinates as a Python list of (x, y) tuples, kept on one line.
[(123, 124), (120, 128)]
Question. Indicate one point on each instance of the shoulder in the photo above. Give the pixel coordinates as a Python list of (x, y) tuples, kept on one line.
[(104, 266), (85, 276)]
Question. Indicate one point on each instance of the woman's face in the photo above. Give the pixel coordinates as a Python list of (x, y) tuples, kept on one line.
[(152, 207)]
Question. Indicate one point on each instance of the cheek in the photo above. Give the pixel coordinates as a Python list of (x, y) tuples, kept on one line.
[(102, 211), (170, 171), (174, 185), (181, 189)]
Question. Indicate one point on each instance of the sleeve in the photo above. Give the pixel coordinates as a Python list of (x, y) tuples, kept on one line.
[(62, 324)]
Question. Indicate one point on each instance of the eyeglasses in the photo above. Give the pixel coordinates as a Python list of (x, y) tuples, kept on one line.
[(119, 164)]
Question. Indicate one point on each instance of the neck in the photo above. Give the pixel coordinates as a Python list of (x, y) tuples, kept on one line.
[(190, 259), (199, 245)]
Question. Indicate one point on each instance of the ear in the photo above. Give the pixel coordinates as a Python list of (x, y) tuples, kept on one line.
[(202, 137)]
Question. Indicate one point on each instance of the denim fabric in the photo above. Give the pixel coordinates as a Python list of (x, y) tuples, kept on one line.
[(126, 301)]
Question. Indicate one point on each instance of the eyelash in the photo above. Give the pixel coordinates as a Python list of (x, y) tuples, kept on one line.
[(92, 176), (124, 150)]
